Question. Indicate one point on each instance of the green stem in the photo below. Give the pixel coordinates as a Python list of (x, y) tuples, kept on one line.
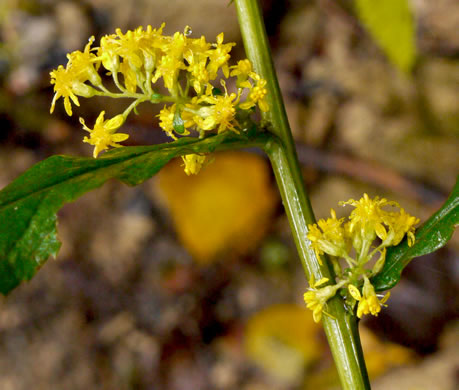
[(341, 326)]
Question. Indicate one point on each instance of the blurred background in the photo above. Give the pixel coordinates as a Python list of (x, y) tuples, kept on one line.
[(193, 283)]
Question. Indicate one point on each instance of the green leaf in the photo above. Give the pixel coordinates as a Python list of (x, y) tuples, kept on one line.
[(390, 22), (432, 235), (29, 204)]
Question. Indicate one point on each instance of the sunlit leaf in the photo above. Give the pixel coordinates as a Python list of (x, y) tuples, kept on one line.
[(391, 24)]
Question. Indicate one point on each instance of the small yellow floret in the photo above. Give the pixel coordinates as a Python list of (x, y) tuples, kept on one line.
[(82, 64), (193, 163), (172, 62), (241, 70), (219, 56), (368, 301), (103, 135), (257, 93), (166, 119), (316, 298), (328, 236), (63, 80), (221, 111), (400, 223)]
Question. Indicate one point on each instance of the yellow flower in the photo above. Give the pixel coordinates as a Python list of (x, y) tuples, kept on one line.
[(219, 56), (137, 44), (193, 163), (196, 55), (108, 53), (257, 93), (367, 216), (171, 62), (138, 48), (196, 50), (399, 223), (199, 75), (369, 220), (368, 302), (130, 76), (330, 238), (316, 298), (241, 70), (166, 119), (128, 46), (63, 80), (103, 135), (82, 64), (221, 111)]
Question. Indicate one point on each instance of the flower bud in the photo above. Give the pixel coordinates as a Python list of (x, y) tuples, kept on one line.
[(81, 89)]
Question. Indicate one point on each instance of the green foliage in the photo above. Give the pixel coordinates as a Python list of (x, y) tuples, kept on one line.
[(29, 204), (432, 235), (390, 22)]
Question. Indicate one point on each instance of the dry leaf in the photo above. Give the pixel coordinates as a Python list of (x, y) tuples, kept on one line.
[(226, 207), (283, 339)]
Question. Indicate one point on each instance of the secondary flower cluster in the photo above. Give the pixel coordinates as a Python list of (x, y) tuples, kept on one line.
[(357, 241), (189, 69)]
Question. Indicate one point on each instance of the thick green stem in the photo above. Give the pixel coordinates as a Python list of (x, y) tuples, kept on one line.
[(340, 326)]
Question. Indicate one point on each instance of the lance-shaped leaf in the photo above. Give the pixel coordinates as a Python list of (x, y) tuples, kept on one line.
[(432, 235), (28, 206)]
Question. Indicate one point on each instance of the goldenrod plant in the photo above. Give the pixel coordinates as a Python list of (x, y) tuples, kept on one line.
[(348, 262)]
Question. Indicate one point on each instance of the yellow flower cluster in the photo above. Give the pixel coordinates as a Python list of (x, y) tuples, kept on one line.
[(354, 241), (192, 96)]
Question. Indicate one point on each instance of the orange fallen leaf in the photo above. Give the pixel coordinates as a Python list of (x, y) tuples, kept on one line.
[(284, 340), (226, 207)]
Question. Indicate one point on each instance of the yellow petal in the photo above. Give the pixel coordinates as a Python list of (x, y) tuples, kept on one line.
[(264, 106), (355, 293), (386, 297), (321, 282), (119, 137), (115, 122), (100, 119), (381, 231), (68, 106)]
